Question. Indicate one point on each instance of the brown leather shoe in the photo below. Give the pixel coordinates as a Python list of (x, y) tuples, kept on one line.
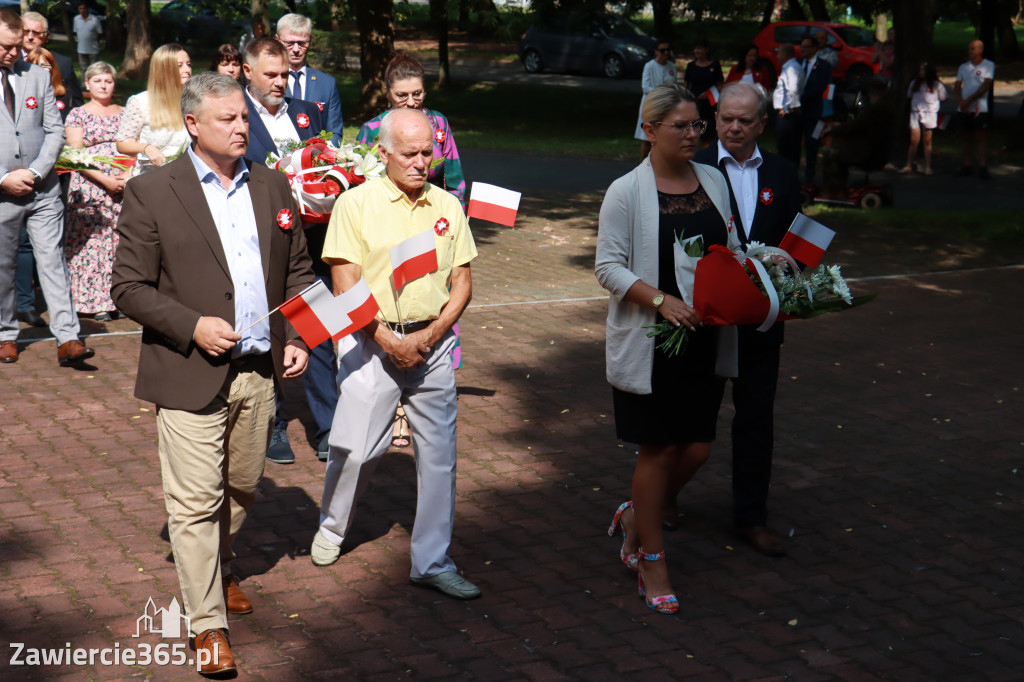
[(763, 540), (70, 352), (218, 657), (8, 352), (234, 599)]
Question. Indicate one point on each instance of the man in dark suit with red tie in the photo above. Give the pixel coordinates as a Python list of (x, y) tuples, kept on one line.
[(274, 117), (765, 197)]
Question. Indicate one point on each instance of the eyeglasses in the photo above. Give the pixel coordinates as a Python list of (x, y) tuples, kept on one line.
[(686, 127), (304, 44), (41, 34)]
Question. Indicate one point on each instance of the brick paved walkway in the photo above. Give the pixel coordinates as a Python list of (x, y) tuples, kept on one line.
[(898, 477)]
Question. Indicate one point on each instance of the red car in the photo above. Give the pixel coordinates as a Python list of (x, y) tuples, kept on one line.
[(854, 47)]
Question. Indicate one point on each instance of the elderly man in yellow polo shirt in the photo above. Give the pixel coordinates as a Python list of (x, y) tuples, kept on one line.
[(405, 356)]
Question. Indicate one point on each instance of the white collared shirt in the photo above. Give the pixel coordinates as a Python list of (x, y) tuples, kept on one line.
[(278, 125), (790, 87), (235, 219), (743, 179)]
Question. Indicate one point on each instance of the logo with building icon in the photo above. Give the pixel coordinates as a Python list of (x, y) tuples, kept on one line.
[(164, 622)]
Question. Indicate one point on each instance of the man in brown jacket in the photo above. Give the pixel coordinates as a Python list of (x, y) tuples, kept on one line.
[(208, 246)]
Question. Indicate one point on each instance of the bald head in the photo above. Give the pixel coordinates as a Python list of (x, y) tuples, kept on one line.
[(976, 51), (407, 148), (786, 52)]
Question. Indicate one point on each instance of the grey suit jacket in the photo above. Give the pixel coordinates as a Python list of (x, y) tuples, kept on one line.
[(35, 137)]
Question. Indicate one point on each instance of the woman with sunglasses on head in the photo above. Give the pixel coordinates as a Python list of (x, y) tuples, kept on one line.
[(661, 69), (403, 79), (667, 404)]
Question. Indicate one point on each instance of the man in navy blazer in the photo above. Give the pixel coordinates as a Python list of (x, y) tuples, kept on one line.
[(305, 82), (765, 196), (272, 116), (817, 77)]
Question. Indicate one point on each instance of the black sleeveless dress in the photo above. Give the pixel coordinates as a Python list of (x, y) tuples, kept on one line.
[(683, 407)]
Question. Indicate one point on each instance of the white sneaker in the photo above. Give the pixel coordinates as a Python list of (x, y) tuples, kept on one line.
[(323, 551)]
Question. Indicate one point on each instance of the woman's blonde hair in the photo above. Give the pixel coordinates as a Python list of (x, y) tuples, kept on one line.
[(40, 55), (164, 87), (96, 68), (663, 99)]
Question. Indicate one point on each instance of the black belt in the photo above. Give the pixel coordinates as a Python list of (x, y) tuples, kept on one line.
[(411, 327), (250, 361)]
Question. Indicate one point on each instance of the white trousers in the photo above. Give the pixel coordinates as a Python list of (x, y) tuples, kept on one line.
[(369, 388)]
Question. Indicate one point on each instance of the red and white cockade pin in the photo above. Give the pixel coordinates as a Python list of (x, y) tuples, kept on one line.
[(31, 102), (441, 226), (302, 120), (320, 105), (767, 196), (284, 219), (732, 223), (439, 136), (60, 104)]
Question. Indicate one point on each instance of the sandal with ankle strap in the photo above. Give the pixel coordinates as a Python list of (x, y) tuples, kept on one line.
[(629, 560), (666, 603)]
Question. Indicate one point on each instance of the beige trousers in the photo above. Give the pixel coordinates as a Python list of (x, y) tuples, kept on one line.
[(211, 461)]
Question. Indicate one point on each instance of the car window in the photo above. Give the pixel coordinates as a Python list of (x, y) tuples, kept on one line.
[(790, 34), (854, 36), (619, 27)]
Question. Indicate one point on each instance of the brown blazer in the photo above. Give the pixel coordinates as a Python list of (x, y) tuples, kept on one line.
[(170, 269)]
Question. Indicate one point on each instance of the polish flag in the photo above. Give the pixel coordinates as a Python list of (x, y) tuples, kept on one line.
[(493, 203), (318, 315), (713, 95), (413, 258), (830, 92), (819, 128), (807, 240), (943, 122)]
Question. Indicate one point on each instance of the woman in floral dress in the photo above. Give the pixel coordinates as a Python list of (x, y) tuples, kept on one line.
[(94, 200)]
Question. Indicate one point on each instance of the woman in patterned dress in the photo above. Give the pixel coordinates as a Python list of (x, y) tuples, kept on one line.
[(152, 128), (94, 199)]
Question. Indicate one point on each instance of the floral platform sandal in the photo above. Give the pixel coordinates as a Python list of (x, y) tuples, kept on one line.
[(630, 560), (666, 603)]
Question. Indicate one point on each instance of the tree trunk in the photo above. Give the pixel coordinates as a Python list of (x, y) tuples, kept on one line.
[(663, 20), (1009, 49), (882, 26), (439, 17), (769, 9), (115, 26), (914, 21), (260, 14), (463, 20), (376, 22), (819, 12), (337, 10), (793, 11), (138, 47), (987, 26)]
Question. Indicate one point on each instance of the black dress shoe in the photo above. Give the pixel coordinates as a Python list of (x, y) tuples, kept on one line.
[(763, 540), (32, 318)]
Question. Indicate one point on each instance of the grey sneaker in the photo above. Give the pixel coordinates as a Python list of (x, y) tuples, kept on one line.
[(323, 551), (324, 448), (280, 450), (449, 583)]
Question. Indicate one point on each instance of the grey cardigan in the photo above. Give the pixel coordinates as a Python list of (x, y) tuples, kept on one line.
[(627, 251)]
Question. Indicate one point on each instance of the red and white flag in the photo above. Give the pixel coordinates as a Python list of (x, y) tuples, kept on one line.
[(829, 92), (713, 95), (493, 203), (413, 258), (943, 122), (807, 240), (819, 128), (318, 315)]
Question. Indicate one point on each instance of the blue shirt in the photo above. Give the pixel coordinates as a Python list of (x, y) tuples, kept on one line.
[(232, 213)]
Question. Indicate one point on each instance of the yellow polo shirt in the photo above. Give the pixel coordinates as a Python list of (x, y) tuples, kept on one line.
[(370, 219)]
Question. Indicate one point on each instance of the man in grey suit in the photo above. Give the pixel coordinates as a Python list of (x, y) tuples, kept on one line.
[(30, 195)]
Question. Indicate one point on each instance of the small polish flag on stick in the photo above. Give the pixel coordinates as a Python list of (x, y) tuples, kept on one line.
[(829, 92), (943, 122), (819, 128), (807, 240), (413, 258), (493, 203), (318, 315), (713, 95)]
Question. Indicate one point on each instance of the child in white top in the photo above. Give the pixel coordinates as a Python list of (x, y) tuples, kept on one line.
[(925, 93)]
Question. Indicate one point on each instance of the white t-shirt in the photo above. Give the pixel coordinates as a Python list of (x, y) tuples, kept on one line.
[(88, 32), (973, 76), (926, 100)]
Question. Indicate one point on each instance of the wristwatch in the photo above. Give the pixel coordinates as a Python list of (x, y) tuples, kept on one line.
[(658, 300)]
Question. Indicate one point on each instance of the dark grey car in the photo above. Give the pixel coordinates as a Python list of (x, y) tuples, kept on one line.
[(586, 42)]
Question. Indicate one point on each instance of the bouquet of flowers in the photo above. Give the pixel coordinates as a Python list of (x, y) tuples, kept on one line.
[(319, 171), (80, 158), (760, 287)]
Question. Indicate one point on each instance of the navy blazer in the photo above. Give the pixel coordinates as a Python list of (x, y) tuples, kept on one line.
[(260, 141), (814, 88), (322, 90), (777, 179)]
